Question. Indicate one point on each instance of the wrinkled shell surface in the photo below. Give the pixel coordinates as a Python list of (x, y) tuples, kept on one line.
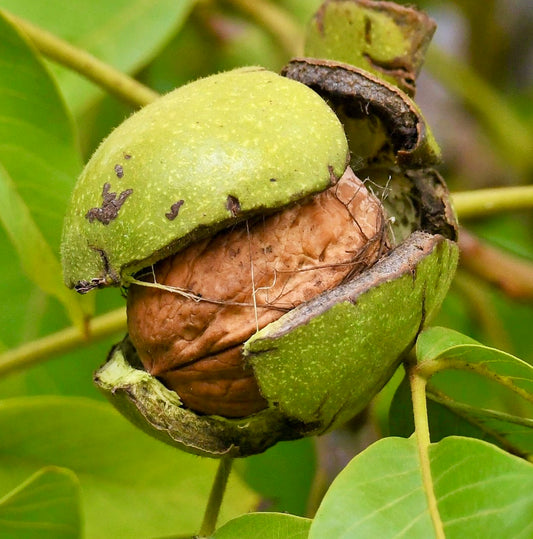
[(321, 362), (280, 261)]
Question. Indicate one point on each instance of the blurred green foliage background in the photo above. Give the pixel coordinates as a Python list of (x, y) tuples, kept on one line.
[(476, 91)]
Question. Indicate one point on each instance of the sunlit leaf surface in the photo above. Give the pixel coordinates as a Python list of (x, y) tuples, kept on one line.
[(39, 161), (38, 147), (481, 491)]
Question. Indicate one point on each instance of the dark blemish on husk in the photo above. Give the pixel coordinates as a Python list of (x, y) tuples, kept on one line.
[(127, 156), (105, 262), (119, 171), (83, 286), (233, 205), (319, 18), (110, 276), (174, 210), (368, 30), (273, 180), (333, 178), (110, 206)]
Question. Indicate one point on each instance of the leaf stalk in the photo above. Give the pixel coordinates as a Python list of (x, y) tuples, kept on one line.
[(215, 497), (418, 391)]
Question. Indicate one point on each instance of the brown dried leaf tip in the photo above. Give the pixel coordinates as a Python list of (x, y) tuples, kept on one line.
[(110, 206), (243, 279)]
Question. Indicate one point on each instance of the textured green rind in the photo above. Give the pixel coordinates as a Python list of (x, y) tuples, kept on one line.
[(248, 133), (318, 365), (156, 410), (326, 359), (383, 38)]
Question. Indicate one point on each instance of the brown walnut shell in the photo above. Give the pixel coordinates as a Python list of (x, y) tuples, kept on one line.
[(241, 280)]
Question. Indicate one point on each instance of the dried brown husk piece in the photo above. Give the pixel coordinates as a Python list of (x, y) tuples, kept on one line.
[(384, 126)]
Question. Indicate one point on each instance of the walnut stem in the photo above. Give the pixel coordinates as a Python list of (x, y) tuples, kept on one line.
[(418, 391), (215, 497), (483, 202)]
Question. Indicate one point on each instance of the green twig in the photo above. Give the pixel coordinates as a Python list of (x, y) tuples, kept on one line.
[(215, 498), (106, 76), (63, 341), (483, 202), (511, 274), (418, 391), (276, 21)]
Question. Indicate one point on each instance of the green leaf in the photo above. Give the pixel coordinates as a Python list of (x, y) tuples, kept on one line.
[(443, 349), (45, 506), (36, 257), (22, 301), (378, 494), (435, 341), (265, 526), (132, 485), (481, 491), (123, 33), (481, 392), (38, 147), (39, 161)]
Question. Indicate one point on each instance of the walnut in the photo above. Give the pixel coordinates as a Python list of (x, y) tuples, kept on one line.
[(241, 280)]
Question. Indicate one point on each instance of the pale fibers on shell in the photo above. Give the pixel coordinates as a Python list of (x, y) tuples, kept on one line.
[(280, 260)]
